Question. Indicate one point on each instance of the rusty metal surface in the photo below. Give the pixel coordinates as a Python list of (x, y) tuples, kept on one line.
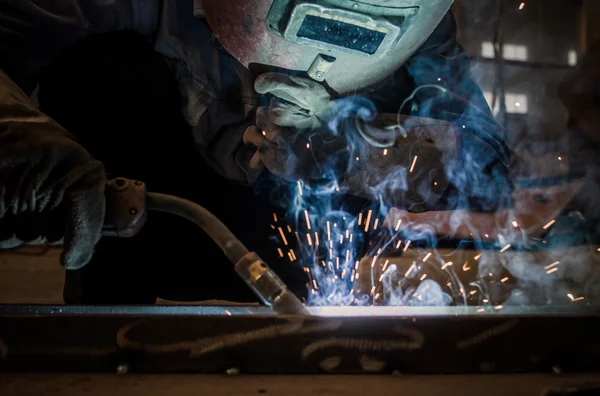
[(208, 340)]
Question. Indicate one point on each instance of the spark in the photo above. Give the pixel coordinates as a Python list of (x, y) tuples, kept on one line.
[(331, 244), (293, 254), (372, 290), (360, 218), (398, 225), (554, 264), (347, 255), (337, 263), (347, 233), (290, 256), (505, 248), (480, 310), (423, 277), (323, 262), (334, 225), (280, 252), (549, 224), (368, 220), (330, 254), (377, 296), (478, 256), (316, 238), (385, 265), (427, 257), (409, 270), (412, 167), (272, 226), (473, 292), (485, 300), (379, 251), (515, 224), (289, 229), (357, 158), (439, 79), (328, 231), (307, 145), (498, 307), (374, 261), (381, 277), (264, 133), (464, 126), (315, 284), (407, 245), (356, 265), (337, 189), (466, 267), (352, 291), (398, 244), (521, 6), (309, 239), (448, 264), (504, 279), (275, 217), (351, 236), (552, 270), (486, 235), (352, 276), (570, 296), (300, 188), (307, 219), (228, 313), (285, 242), (341, 239), (577, 299), (343, 273), (385, 151), (376, 223), (357, 275)]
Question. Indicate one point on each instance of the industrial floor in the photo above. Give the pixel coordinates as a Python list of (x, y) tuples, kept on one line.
[(31, 275)]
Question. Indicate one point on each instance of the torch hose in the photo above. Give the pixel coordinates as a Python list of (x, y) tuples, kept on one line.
[(219, 233)]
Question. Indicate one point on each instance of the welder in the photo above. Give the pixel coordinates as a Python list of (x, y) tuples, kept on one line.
[(249, 78)]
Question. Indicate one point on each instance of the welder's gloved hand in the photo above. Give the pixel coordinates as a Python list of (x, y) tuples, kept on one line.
[(51, 189), (298, 102), (291, 134), (292, 155)]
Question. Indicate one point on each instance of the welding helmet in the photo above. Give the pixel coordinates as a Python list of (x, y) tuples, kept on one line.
[(350, 44)]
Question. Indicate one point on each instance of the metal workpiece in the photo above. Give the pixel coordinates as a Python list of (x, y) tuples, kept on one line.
[(268, 286), (212, 341)]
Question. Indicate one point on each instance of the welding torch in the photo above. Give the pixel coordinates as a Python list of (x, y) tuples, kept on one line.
[(127, 206)]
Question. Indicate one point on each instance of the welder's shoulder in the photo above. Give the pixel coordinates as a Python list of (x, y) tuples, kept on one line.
[(443, 38)]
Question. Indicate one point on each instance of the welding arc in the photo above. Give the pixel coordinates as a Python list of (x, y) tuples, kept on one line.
[(219, 233)]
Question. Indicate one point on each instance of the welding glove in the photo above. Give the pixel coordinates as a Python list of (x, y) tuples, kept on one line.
[(291, 134), (298, 102), (51, 189)]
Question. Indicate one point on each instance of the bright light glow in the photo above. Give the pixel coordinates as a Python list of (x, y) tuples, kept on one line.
[(572, 58)]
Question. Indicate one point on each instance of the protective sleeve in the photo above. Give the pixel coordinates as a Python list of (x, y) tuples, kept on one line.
[(445, 90)]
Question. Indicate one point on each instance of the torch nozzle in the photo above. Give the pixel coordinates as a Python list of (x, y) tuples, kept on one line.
[(267, 285)]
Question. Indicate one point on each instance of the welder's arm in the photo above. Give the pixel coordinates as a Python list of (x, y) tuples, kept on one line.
[(482, 169), (51, 189), (33, 34)]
